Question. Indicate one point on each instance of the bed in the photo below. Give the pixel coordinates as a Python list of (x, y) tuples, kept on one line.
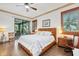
[(37, 44)]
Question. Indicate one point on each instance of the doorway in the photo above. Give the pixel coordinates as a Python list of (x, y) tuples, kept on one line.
[(22, 27)]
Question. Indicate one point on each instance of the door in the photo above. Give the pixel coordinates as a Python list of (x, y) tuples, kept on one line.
[(22, 27), (25, 27)]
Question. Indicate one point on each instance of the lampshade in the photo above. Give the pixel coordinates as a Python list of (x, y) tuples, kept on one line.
[(26, 6), (59, 30), (36, 30), (2, 28)]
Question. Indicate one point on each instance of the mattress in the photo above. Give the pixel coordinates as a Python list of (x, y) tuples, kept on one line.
[(35, 43)]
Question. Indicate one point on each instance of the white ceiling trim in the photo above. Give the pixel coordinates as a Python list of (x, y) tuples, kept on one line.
[(37, 15), (14, 13), (53, 10)]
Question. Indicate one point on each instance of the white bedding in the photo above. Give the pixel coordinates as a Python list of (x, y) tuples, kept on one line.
[(35, 43)]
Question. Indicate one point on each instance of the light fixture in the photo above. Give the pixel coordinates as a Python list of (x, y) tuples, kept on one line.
[(26, 6), (36, 30), (59, 30)]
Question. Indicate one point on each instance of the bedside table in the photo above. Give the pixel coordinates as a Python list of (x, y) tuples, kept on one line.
[(65, 42), (62, 42)]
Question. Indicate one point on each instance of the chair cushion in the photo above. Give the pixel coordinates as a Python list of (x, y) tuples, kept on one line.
[(75, 52)]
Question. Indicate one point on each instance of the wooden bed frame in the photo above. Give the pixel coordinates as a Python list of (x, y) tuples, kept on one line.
[(52, 30)]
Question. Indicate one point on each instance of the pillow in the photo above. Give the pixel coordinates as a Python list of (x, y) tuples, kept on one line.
[(47, 33), (38, 33), (44, 33)]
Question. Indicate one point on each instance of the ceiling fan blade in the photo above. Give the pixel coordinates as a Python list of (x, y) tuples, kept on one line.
[(33, 8), (26, 3), (19, 5), (31, 3)]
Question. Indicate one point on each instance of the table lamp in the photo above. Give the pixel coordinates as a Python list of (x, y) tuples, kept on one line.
[(60, 32), (36, 30)]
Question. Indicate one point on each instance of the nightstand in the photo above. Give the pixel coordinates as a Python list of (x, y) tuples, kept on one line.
[(62, 42), (65, 42)]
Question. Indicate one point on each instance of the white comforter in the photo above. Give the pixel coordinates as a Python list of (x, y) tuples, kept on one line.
[(35, 43)]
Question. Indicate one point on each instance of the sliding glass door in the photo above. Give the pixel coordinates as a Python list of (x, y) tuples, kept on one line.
[(22, 27), (25, 27)]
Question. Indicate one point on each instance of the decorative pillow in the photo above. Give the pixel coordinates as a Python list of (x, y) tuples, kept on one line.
[(44, 33), (47, 33), (37, 33)]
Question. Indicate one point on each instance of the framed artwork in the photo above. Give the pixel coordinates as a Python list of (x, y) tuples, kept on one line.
[(46, 23), (70, 21)]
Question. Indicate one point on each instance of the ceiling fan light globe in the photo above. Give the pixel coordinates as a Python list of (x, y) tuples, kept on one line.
[(26, 6)]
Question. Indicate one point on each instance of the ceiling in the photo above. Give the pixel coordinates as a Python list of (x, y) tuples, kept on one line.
[(42, 8)]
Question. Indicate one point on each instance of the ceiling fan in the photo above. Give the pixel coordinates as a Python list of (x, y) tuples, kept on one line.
[(27, 6)]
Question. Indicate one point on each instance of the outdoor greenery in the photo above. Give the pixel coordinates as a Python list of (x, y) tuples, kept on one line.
[(71, 22), (22, 27)]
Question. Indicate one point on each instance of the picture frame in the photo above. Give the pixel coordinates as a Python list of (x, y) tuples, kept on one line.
[(70, 21), (46, 23)]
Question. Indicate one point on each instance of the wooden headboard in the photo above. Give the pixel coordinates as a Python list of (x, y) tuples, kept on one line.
[(52, 30)]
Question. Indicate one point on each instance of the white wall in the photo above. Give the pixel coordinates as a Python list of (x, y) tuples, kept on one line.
[(7, 20), (55, 17)]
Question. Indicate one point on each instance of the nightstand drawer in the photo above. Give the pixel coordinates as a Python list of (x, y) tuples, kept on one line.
[(65, 42), (62, 42)]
